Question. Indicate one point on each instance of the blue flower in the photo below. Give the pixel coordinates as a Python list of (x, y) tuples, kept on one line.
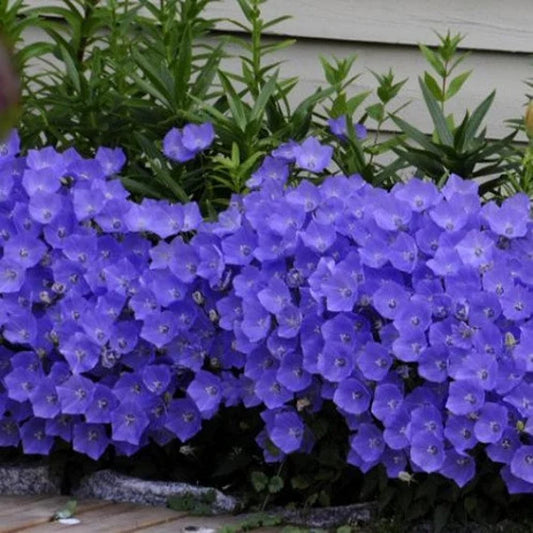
[(183, 419), (35, 439), (427, 451), (183, 145), (352, 396), (465, 397), (198, 137), (459, 430), (128, 422), (522, 463), (205, 390), (286, 431), (368, 442), (339, 128), (459, 467), (313, 156), (75, 394), (102, 404), (90, 439)]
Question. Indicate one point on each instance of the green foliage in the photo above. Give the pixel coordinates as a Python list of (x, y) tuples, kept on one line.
[(354, 155), (122, 73), (15, 19), (444, 60), (116, 76), (462, 149), (117, 73), (520, 178)]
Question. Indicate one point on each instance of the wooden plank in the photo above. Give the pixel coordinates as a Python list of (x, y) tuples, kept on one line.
[(35, 511), (113, 518), (489, 25), (7, 503), (32, 514)]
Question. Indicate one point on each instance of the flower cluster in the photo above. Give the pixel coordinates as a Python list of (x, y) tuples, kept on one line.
[(409, 310)]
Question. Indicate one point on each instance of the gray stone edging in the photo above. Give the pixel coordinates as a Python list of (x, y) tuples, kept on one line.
[(328, 517), (29, 478), (110, 485)]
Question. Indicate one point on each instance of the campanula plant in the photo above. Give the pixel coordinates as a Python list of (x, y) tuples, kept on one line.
[(407, 312)]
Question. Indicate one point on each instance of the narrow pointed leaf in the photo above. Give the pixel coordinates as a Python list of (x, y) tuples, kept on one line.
[(477, 116), (433, 86), (437, 116), (264, 96), (420, 137), (433, 60), (234, 102), (456, 84)]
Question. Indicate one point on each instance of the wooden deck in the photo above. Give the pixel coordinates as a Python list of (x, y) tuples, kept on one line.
[(32, 514)]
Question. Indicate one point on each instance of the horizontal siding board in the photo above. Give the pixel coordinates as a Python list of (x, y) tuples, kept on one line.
[(487, 25)]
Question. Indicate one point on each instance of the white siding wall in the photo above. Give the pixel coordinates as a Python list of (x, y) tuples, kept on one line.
[(385, 33)]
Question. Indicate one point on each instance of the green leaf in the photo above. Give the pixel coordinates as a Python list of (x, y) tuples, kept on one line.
[(204, 80), (264, 96), (433, 60), (153, 84), (459, 135), (248, 12), (477, 117), (305, 108), (338, 107), (456, 84), (72, 71), (162, 174), (259, 481), (425, 162), (437, 115), (275, 21), (433, 86), (275, 484), (355, 101), (276, 47), (329, 71), (183, 67), (389, 172), (234, 101), (416, 135), (376, 111)]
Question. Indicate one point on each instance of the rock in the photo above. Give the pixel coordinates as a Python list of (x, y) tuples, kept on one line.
[(110, 485), (329, 517), (29, 478)]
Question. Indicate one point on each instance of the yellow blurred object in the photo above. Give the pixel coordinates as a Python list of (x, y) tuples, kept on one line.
[(528, 120), (9, 92)]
